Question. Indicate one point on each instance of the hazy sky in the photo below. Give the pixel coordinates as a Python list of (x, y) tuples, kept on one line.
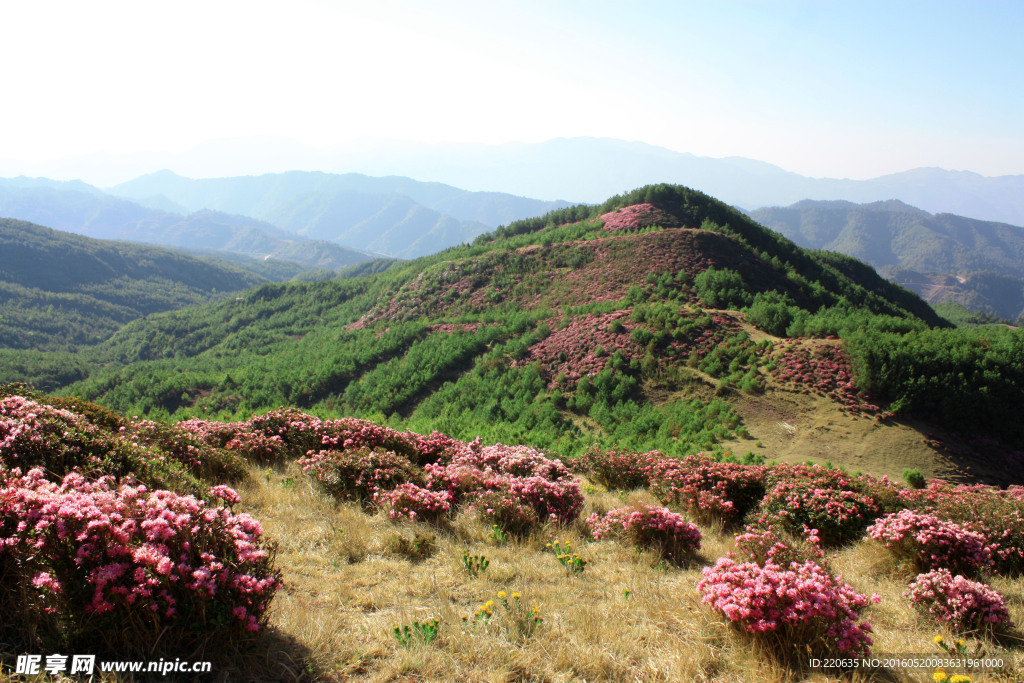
[(841, 89)]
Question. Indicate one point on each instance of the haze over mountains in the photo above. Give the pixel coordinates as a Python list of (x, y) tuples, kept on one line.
[(318, 219), (573, 169)]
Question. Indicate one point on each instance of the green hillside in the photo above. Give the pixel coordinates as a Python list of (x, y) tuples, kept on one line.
[(641, 323), (942, 257), (59, 291)]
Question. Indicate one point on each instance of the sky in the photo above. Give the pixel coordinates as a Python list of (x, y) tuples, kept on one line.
[(822, 88)]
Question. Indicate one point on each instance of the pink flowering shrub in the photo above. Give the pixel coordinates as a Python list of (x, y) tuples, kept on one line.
[(763, 544), (927, 542), (510, 513), (648, 526), (966, 605), (706, 489), (996, 514), (360, 473), (839, 515), (199, 458), (570, 352), (793, 611), (636, 217), (617, 469), (129, 568), (34, 434), (515, 487), (821, 368), (414, 502), (549, 501)]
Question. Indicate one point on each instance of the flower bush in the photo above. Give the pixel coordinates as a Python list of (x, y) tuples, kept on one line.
[(617, 469), (97, 562), (648, 526), (929, 543), (771, 543), (793, 611), (198, 457), (360, 473), (996, 514), (821, 368), (966, 605), (839, 515), (414, 502), (706, 489), (34, 434)]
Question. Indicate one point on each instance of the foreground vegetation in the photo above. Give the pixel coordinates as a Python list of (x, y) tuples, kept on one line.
[(398, 555)]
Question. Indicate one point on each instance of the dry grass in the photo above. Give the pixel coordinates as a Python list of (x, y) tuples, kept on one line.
[(352, 577)]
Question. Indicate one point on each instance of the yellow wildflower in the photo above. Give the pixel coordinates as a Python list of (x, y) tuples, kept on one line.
[(938, 639), (502, 594), (961, 643), (939, 676), (959, 678), (515, 595)]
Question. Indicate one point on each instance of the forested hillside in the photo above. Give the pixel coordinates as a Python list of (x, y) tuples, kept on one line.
[(941, 257), (59, 291), (637, 323)]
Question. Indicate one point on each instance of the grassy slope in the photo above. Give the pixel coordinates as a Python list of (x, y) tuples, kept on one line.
[(351, 581)]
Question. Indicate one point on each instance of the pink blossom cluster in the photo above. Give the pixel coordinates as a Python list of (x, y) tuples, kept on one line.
[(622, 261), (515, 486), (288, 433), (414, 502), (800, 607), (840, 515), (99, 553), (617, 469), (360, 473), (34, 434), (967, 605), (933, 543), (570, 352), (706, 489), (649, 526), (996, 514), (636, 217), (821, 367), (611, 266), (181, 445), (764, 543)]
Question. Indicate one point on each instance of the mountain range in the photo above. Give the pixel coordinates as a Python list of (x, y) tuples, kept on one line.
[(942, 257), (574, 169)]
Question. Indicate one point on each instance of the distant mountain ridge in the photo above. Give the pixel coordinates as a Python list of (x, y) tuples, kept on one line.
[(392, 215), (942, 257), (579, 169), (90, 212)]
